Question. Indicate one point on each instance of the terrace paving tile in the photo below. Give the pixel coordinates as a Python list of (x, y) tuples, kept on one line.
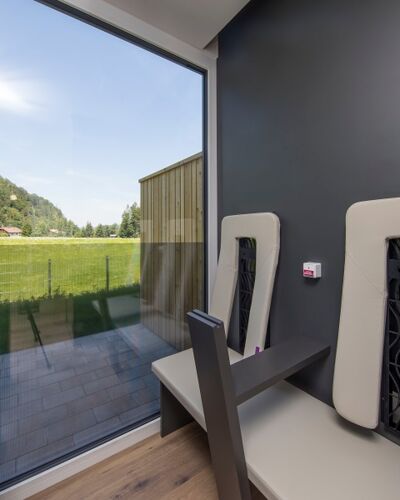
[(87, 402), (151, 380), (5, 377), (14, 448), (32, 395), (107, 371), (122, 357), (155, 390), (52, 378), (7, 470), (70, 425), (102, 383), (91, 365), (8, 431), (62, 363), (8, 403), (97, 431), (140, 412), (132, 373), (128, 387), (20, 368), (117, 347), (34, 373), (62, 397), (125, 364), (90, 348), (42, 420), (115, 407), (83, 390), (78, 380), (143, 396), (25, 410), (44, 454)]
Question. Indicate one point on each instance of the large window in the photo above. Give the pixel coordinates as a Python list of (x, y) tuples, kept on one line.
[(101, 231)]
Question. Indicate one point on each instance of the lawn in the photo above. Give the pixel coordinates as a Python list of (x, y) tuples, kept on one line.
[(33, 268)]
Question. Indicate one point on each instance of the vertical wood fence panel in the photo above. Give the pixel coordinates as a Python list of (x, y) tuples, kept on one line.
[(172, 248)]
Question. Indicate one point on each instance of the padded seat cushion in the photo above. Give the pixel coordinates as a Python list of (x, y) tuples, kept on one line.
[(296, 447), (178, 374)]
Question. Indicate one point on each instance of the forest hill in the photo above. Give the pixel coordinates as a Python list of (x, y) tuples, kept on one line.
[(37, 216)]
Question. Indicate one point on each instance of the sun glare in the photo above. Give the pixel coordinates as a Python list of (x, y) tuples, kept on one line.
[(11, 98)]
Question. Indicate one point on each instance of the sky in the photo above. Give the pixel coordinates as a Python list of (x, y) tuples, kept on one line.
[(84, 115)]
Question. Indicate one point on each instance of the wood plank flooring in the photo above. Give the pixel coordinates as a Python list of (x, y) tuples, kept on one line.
[(174, 468)]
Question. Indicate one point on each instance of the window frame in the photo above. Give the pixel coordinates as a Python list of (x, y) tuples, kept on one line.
[(129, 28)]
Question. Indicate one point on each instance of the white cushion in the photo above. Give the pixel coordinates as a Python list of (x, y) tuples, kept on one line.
[(358, 366), (178, 374), (296, 447), (264, 228)]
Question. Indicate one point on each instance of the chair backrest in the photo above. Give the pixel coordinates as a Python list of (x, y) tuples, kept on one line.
[(358, 366), (265, 229)]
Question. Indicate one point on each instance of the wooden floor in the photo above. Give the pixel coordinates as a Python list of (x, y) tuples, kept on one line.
[(174, 468)]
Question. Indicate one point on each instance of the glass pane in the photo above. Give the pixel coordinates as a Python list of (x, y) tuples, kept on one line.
[(101, 245)]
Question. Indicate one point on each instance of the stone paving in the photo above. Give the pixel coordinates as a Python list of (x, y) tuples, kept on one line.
[(58, 399)]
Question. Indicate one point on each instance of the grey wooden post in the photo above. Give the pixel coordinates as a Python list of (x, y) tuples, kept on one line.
[(107, 273), (219, 405), (49, 278), (173, 414)]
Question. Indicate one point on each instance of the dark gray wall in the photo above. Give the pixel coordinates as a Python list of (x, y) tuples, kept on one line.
[(309, 123)]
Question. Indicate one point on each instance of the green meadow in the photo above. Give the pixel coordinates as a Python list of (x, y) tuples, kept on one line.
[(34, 268)]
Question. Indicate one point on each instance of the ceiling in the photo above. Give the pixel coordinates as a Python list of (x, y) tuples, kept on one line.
[(196, 22)]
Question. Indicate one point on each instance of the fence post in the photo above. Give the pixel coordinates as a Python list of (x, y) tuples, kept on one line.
[(107, 273), (49, 277)]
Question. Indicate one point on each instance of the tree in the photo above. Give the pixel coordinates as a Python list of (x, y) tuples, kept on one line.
[(18, 208), (134, 220), (88, 231), (100, 231), (41, 229), (110, 229), (14, 217), (106, 230), (114, 229), (125, 229), (26, 229), (71, 229)]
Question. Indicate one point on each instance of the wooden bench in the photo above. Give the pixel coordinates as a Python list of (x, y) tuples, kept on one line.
[(289, 444), (264, 228)]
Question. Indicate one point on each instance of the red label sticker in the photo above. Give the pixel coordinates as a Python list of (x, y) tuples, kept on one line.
[(308, 272)]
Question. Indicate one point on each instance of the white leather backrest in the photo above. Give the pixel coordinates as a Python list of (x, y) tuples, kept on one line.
[(265, 229), (357, 378)]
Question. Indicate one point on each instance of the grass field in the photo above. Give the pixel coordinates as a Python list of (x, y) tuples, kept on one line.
[(30, 268)]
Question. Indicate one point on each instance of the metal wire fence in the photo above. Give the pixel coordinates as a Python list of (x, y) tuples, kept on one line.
[(30, 272)]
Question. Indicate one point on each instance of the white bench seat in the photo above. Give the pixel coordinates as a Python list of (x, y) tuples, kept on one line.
[(296, 447), (178, 374)]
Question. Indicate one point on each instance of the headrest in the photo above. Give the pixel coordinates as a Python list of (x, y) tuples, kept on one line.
[(264, 228), (357, 377)]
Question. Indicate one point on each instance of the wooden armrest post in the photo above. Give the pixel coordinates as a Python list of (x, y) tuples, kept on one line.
[(223, 387), (219, 405), (173, 414)]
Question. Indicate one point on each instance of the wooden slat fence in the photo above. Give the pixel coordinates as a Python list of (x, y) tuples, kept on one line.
[(172, 248)]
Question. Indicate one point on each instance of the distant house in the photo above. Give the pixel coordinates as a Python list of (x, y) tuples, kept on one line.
[(12, 232)]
